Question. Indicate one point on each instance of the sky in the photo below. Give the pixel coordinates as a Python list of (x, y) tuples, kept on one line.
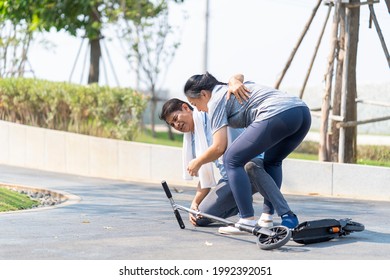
[(253, 37)]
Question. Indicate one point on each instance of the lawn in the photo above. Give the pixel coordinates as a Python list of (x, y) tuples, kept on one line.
[(12, 200)]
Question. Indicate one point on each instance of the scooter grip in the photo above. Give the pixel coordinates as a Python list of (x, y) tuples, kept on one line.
[(179, 219), (166, 189)]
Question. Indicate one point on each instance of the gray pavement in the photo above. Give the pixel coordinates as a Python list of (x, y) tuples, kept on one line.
[(118, 220)]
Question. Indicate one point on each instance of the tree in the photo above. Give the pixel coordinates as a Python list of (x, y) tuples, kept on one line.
[(14, 44), (340, 145), (15, 38), (77, 16), (151, 51)]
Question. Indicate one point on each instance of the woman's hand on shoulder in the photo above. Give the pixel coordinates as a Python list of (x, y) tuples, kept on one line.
[(237, 88)]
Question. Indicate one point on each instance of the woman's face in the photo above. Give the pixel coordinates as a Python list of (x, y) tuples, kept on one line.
[(201, 102)]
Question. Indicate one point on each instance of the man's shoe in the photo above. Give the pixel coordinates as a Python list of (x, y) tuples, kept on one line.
[(231, 230), (265, 221), (290, 220)]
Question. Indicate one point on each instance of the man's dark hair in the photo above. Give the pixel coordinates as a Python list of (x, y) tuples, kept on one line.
[(171, 106)]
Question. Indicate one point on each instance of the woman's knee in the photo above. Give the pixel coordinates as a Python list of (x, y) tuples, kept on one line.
[(228, 160)]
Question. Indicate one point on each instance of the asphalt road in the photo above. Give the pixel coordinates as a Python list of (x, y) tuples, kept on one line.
[(118, 220)]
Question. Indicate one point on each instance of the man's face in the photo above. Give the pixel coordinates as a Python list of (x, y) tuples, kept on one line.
[(182, 120)]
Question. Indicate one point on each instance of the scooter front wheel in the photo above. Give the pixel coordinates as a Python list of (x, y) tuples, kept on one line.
[(278, 237)]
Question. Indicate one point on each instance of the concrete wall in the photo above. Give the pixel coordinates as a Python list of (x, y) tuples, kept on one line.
[(77, 154)]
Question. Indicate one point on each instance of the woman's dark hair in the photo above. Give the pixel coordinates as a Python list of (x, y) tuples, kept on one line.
[(197, 83), (172, 105)]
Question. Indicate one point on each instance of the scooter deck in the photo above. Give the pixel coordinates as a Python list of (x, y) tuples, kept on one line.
[(323, 230)]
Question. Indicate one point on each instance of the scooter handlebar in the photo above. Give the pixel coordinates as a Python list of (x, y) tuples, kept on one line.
[(166, 189), (179, 219), (175, 211)]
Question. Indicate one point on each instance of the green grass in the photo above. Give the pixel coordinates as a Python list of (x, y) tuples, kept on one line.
[(373, 162), (367, 155), (161, 139), (296, 155), (12, 200)]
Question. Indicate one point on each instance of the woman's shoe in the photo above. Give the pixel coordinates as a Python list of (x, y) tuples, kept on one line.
[(290, 220)]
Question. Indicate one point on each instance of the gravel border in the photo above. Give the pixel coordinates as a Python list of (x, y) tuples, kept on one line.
[(45, 198)]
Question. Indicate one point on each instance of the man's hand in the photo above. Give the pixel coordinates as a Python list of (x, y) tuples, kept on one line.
[(193, 167), (199, 196), (192, 217)]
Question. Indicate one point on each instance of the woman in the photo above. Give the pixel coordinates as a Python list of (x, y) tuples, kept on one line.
[(275, 122)]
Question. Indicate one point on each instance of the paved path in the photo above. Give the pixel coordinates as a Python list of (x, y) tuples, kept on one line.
[(117, 220)]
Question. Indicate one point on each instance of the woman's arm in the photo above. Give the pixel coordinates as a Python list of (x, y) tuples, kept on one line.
[(237, 87), (212, 153)]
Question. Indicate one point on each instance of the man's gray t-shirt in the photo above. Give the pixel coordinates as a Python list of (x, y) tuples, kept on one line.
[(264, 103)]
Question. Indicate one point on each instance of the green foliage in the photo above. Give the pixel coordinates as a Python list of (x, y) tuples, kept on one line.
[(75, 15), (87, 18), (366, 154), (308, 147), (369, 154), (151, 46), (91, 110), (12, 200), (14, 44)]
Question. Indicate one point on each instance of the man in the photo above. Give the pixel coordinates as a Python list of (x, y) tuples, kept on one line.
[(218, 201)]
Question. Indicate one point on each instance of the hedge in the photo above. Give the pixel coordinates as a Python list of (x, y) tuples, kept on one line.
[(92, 109)]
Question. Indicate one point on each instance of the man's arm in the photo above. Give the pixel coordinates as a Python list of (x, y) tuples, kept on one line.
[(198, 198), (216, 150)]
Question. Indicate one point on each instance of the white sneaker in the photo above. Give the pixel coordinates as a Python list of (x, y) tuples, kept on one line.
[(265, 221), (231, 230)]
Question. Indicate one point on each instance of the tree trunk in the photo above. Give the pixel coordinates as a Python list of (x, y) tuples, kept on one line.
[(351, 113), (170, 133), (95, 51), (323, 153), (95, 54), (153, 106), (334, 143)]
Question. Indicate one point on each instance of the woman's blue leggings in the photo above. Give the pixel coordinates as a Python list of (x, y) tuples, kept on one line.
[(277, 137)]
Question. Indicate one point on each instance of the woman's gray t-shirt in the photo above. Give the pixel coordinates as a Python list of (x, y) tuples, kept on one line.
[(264, 103)]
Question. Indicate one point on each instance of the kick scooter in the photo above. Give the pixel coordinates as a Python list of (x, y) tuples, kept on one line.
[(267, 238), (308, 232)]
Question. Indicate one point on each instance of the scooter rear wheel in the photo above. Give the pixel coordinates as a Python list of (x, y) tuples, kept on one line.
[(279, 237)]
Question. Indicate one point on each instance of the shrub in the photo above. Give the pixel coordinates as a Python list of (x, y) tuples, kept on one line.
[(92, 110)]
